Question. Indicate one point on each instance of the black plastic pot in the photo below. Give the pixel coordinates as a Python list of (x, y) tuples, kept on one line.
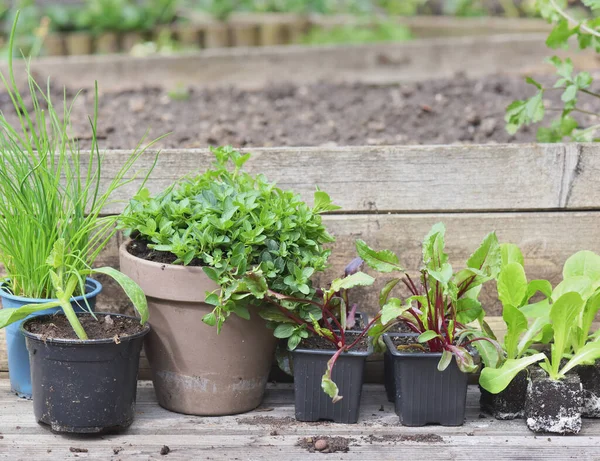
[(388, 372), (312, 404), (424, 395), (84, 386), (554, 406), (508, 404)]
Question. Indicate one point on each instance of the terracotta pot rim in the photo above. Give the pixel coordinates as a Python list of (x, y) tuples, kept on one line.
[(154, 264)]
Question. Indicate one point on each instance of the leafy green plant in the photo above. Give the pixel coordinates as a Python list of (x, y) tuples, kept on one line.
[(231, 222), (51, 226), (441, 303), (367, 33), (572, 85), (565, 317)]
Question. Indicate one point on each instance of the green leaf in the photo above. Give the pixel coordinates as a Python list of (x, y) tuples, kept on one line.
[(543, 286), (487, 257), (563, 314), (583, 263), (434, 257), (559, 35), (256, 284), (511, 253), (241, 310), (445, 360), (591, 308), (56, 257), (578, 284), (392, 310), (495, 380), (323, 202), (8, 316), (512, 284), (593, 4), (330, 388), (570, 93), (531, 81), (381, 261), (211, 273), (132, 290), (533, 334), (210, 319), (357, 279), (468, 310), (587, 355), (285, 330), (489, 354), (293, 341), (516, 324), (385, 291), (427, 336), (539, 309)]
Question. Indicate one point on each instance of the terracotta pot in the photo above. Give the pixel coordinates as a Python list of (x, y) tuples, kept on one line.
[(195, 370)]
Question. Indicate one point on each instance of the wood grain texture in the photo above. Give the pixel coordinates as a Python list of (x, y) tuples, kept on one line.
[(252, 68), (273, 434), (402, 179)]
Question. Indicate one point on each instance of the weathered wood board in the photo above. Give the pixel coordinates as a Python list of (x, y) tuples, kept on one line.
[(252, 67), (272, 433)]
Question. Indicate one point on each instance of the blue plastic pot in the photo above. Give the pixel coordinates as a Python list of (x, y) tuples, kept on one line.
[(18, 357)]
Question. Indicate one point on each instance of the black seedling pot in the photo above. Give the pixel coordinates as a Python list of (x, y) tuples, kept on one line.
[(554, 406), (388, 372), (424, 395), (589, 375), (312, 404), (508, 404), (84, 386)]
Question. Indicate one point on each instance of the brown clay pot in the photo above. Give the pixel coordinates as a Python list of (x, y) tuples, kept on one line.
[(195, 370)]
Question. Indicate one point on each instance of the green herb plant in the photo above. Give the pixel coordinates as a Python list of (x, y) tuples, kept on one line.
[(51, 226), (379, 31), (574, 87), (441, 303), (231, 222), (564, 318)]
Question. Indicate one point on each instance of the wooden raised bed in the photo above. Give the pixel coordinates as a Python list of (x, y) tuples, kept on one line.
[(250, 68), (267, 29), (544, 198)]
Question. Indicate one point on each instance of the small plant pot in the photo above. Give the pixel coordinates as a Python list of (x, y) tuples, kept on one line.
[(554, 406), (311, 402), (589, 375), (508, 404), (54, 44), (84, 386), (388, 373), (18, 358), (130, 39), (196, 370), (424, 395)]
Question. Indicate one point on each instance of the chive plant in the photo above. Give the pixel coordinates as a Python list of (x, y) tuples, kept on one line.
[(51, 223)]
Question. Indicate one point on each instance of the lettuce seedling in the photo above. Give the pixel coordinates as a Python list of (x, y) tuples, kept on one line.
[(567, 322), (441, 303)]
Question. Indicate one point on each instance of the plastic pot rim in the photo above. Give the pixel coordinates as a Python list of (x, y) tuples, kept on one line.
[(94, 284), (79, 342), (330, 352)]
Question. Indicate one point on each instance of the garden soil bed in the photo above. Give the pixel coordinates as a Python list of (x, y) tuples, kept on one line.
[(446, 111)]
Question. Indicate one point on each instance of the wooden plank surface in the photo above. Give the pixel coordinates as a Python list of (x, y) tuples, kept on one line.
[(252, 68), (273, 434), (400, 179)]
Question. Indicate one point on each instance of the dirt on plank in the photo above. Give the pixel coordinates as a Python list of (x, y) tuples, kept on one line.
[(324, 444)]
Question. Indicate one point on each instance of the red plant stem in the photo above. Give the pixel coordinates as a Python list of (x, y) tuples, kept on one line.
[(415, 290), (328, 326), (363, 332)]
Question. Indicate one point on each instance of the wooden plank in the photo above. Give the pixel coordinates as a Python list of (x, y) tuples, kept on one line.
[(396, 179), (274, 434), (252, 68)]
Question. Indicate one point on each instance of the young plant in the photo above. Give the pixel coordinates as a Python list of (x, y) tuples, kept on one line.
[(440, 303), (572, 85), (567, 321), (231, 222), (51, 226), (327, 314)]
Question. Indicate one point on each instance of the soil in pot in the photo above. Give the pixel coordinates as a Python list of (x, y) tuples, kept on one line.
[(424, 395), (508, 404), (309, 364), (554, 406), (589, 375), (84, 386)]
